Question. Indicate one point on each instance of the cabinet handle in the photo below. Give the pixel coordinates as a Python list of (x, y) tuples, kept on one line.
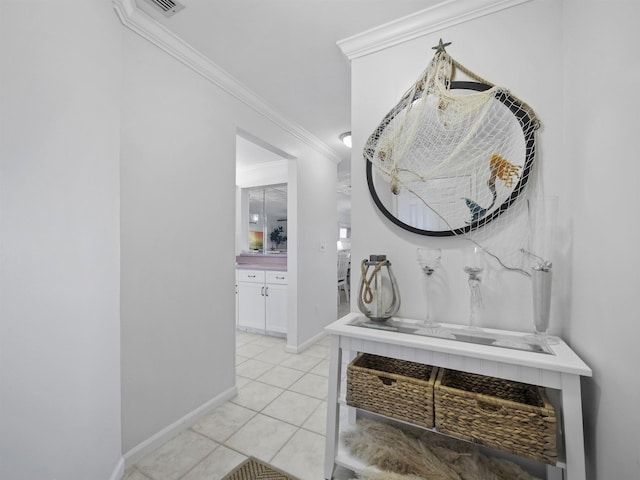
[(262, 291), (266, 291), (251, 276), (279, 278)]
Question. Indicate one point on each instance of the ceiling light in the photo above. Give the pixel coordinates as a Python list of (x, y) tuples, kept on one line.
[(346, 139)]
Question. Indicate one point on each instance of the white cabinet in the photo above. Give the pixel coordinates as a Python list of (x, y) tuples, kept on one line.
[(262, 300)]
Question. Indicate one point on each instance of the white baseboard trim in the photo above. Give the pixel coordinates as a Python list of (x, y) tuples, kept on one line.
[(153, 442), (118, 472), (302, 347)]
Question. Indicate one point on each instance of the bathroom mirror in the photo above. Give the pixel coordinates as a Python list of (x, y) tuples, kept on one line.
[(457, 201), (267, 219)]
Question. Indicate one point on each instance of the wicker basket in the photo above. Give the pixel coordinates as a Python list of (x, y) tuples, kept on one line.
[(510, 416), (395, 388)]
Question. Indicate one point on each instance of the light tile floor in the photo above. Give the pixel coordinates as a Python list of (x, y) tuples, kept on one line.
[(278, 416)]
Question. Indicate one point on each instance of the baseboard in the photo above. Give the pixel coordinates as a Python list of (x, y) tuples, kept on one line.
[(118, 472), (155, 441), (302, 347)]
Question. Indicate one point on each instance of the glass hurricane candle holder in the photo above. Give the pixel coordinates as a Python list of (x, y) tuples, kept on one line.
[(474, 265), (429, 261), (378, 294)]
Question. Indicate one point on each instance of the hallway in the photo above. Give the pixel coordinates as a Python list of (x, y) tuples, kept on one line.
[(278, 416)]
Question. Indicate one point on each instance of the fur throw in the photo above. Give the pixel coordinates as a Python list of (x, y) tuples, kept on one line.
[(409, 454)]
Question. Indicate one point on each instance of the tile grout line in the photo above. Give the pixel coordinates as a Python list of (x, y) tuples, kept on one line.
[(203, 459)]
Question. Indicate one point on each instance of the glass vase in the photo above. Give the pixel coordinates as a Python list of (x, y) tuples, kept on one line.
[(429, 261), (474, 265)]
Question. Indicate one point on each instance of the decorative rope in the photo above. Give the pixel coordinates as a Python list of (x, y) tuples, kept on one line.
[(367, 296), (480, 79)]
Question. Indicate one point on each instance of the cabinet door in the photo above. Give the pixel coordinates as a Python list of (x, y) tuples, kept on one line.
[(251, 305), (276, 308)]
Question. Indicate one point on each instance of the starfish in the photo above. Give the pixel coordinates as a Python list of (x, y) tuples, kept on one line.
[(441, 47)]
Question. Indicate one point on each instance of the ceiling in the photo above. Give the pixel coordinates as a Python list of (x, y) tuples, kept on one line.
[(285, 52)]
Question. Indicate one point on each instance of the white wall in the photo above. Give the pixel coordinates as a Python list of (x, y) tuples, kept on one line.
[(602, 71), (59, 275), (315, 246), (177, 194), (576, 63)]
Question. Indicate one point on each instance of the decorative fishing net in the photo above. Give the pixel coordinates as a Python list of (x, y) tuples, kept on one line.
[(454, 158)]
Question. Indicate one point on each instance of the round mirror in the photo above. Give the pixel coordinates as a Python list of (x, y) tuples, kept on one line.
[(450, 193)]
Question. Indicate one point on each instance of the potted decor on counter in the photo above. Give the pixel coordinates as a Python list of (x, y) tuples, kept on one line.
[(277, 236)]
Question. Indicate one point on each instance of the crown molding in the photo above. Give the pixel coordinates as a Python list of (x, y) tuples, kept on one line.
[(148, 28), (424, 22)]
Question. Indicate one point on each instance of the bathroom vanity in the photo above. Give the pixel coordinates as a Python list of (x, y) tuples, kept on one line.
[(261, 293)]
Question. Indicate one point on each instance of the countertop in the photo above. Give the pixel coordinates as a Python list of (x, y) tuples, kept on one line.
[(256, 261), (261, 266)]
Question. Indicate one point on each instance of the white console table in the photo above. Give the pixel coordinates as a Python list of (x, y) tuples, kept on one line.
[(560, 369)]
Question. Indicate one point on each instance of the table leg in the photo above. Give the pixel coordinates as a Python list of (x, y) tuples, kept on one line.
[(573, 430), (332, 433), (554, 473)]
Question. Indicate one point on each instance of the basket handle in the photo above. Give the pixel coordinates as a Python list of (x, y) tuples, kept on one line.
[(489, 407), (386, 380)]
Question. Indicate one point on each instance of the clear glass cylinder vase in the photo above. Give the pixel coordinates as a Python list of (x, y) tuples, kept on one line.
[(541, 280)]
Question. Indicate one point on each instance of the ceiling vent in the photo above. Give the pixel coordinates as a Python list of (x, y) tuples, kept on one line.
[(168, 7)]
